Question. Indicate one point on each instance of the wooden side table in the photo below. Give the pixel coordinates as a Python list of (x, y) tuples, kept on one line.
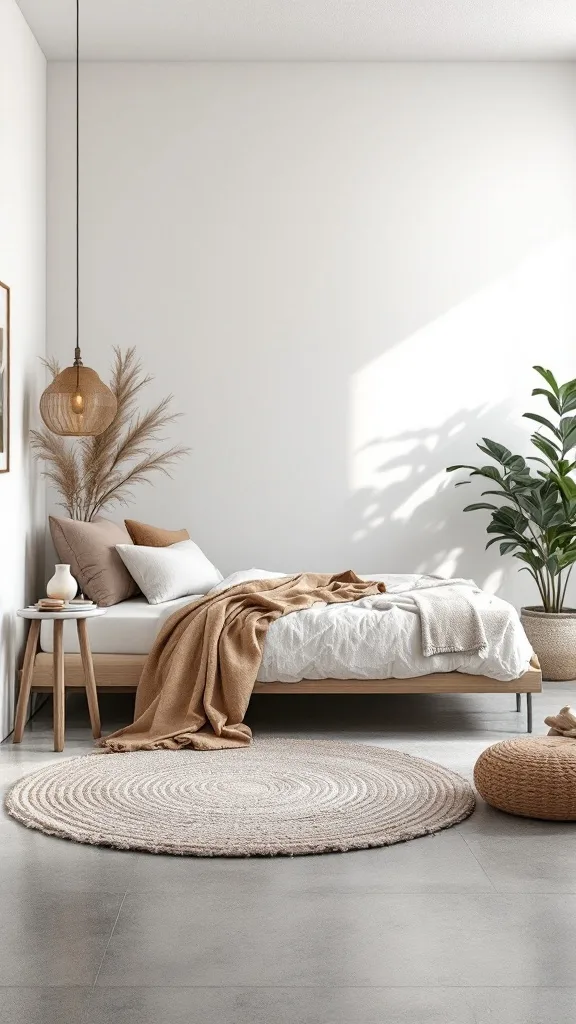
[(58, 619)]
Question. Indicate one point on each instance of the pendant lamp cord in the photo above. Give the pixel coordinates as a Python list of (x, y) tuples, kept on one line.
[(77, 359)]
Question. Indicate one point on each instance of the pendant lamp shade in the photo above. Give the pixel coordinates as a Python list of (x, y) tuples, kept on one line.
[(77, 403)]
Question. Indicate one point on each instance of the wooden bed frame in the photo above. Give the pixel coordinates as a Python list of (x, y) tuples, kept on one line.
[(120, 673)]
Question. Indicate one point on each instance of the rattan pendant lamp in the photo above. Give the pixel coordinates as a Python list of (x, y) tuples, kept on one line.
[(77, 403)]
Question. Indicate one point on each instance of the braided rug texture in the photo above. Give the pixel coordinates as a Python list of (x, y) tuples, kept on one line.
[(278, 796)]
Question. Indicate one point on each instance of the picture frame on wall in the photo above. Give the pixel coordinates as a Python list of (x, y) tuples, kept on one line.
[(4, 378)]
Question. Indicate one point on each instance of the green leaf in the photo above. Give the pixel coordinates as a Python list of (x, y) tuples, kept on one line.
[(507, 514), (489, 471), (514, 463), (520, 522), (499, 528), (569, 443), (486, 451), (506, 531), (452, 469), (549, 497), (553, 401), (552, 565), (523, 478), (557, 519), (477, 505), (566, 559), (549, 378), (568, 431), (565, 534), (568, 388), (525, 568), (508, 546), (566, 425), (567, 486), (549, 448), (545, 423), (528, 556), (497, 451), (527, 502)]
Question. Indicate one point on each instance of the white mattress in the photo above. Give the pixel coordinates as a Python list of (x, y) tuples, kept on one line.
[(127, 628), (365, 640)]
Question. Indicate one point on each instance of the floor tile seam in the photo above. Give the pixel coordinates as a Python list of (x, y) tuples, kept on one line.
[(491, 893), (109, 939), (340, 893), (70, 988), (320, 988), (89, 989), (480, 865)]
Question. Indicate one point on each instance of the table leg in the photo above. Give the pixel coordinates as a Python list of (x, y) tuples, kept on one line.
[(59, 693), (89, 679), (26, 682)]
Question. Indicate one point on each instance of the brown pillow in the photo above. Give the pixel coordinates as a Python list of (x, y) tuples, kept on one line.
[(89, 549), (154, 536)]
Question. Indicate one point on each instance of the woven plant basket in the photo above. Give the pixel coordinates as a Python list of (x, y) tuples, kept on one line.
[(534, 777), (553, 637)]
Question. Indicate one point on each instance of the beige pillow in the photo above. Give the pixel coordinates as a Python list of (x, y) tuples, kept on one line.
[(154, 536), (90, 550)]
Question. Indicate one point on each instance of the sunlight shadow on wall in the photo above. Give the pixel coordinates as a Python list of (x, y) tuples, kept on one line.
[(423, 404)]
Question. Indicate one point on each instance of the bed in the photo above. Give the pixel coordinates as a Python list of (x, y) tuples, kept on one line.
[(365, 647)]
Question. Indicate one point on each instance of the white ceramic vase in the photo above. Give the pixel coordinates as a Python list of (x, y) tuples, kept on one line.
[(62, 585)]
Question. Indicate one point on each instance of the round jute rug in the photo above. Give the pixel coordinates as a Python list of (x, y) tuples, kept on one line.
[(278, 796)]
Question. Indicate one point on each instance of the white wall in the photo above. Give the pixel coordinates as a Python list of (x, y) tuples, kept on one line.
[(23, 268), (343, 273)]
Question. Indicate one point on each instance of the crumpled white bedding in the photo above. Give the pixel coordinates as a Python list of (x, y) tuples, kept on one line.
[(380, 637)]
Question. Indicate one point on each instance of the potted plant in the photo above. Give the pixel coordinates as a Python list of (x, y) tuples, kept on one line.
[(535, 521)]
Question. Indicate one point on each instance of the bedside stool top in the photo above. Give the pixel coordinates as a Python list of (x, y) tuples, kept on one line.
[(68, 613)]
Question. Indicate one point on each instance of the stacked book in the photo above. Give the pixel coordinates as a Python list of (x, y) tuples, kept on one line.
[(56, 604)]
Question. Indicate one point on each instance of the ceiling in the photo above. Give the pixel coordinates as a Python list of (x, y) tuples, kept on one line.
[(279, 30)]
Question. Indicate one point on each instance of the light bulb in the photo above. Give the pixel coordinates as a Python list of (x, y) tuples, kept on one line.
[(77, 402)]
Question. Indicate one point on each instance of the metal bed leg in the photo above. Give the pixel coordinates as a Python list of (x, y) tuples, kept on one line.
[(518, 702), (529, 712)]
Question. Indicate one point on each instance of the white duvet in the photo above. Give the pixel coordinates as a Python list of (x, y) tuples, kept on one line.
[(379, 637)]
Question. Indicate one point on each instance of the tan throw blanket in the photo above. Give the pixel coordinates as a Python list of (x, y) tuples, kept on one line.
[(199, 676)]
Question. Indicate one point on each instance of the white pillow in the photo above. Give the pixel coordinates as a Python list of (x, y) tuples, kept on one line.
[(163, 574), (246, 576)]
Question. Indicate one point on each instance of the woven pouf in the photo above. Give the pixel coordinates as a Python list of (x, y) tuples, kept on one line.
[(534, 777)]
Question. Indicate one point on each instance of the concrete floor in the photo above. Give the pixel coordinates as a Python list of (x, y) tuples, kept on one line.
[(476, 925)]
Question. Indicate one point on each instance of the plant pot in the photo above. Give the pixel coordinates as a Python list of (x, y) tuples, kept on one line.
[(553, 637)]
